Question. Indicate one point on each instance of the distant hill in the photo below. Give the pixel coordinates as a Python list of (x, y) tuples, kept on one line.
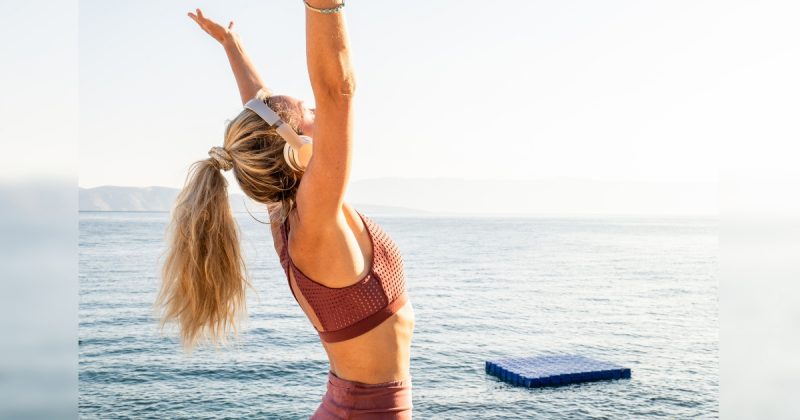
[(154, 199), (112, 198), (444, 196), (556, 196)]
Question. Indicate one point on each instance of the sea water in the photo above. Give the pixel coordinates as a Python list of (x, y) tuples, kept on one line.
[(640, 292)]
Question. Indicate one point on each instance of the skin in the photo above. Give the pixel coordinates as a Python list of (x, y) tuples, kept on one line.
[(247, 78), (328, 240), (307, 114)]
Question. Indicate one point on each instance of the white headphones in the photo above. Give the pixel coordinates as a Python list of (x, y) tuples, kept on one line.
[(297, 150)]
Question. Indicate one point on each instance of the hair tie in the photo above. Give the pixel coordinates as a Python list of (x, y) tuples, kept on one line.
[(221, 158)]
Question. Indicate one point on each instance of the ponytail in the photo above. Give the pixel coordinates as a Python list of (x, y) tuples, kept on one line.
[(204, 277)]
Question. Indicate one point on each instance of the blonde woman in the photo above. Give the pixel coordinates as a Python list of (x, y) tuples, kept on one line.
[(344, 271)]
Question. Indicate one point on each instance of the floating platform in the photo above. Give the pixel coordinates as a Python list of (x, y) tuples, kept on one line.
[(556, 370)]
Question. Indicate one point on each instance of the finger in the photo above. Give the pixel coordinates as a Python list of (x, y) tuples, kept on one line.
[(200, 13)]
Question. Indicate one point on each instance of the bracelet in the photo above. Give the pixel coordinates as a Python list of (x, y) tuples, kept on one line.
[(325, 11)]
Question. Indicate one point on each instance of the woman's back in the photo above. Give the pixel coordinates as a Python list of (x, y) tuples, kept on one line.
[(349, 281)]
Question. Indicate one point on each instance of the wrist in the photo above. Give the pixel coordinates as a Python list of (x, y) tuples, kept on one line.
[(330, 6), (230, 40)]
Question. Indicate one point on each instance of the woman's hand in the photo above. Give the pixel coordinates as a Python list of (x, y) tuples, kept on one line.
[(247, 79), (217, 31)]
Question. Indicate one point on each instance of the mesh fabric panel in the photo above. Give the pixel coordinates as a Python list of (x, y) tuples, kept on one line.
[(338, 308)]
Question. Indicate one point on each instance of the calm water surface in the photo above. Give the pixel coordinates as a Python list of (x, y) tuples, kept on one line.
[(637, 292)]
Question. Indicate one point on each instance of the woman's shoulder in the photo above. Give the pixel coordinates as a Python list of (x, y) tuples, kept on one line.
[(333, 253)]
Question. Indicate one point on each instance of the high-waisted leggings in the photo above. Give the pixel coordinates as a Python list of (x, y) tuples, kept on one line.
[(356, 400)]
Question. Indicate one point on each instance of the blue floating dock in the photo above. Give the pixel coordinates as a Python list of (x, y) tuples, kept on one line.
[(555, 370)]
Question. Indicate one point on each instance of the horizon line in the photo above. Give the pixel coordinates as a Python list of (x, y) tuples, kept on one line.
[(562, 177)]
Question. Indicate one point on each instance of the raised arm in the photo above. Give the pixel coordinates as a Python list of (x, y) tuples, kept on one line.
[(328, 53), (247, 78), (322, 190)]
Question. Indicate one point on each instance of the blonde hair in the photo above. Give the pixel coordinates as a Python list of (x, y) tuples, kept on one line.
[(204, 276)]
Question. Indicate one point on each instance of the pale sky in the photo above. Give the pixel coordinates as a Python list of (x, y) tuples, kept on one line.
[(614, 90)]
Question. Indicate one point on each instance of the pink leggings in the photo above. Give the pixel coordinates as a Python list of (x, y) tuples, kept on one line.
[(357, 400)]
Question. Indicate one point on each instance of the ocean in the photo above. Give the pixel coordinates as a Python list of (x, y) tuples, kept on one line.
[(639, 292)]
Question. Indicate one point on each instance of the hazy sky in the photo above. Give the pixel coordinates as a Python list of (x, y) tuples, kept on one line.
[(623, 90)]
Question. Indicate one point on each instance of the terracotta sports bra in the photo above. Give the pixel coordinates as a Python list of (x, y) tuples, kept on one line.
[(347, 312)]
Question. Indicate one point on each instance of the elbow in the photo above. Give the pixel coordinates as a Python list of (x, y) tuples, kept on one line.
[(348, 86), (344, 88)]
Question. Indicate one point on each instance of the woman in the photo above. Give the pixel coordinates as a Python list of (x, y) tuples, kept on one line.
[(343, 270)]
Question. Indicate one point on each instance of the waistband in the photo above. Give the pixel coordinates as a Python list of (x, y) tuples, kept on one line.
[(344, 383)]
